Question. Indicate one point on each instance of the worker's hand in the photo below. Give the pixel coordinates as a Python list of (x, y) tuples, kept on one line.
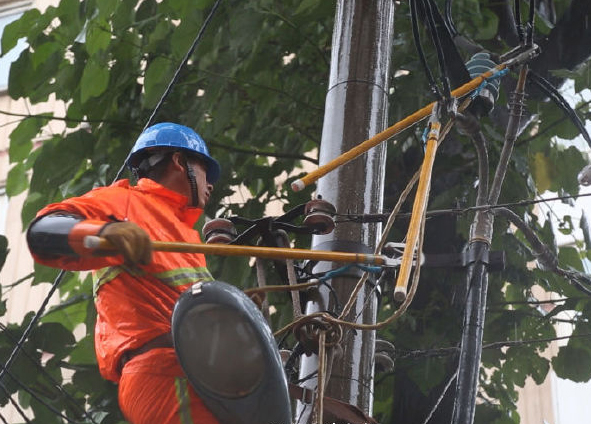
[(129, 240)]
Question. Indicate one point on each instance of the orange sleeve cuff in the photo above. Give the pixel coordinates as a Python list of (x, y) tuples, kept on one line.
[(88, 227)]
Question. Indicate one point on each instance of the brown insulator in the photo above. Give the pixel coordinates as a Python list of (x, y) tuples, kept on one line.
[(320, 216), (219, 230)]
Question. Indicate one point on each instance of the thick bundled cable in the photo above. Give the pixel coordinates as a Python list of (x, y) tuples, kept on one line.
[(561, 102), (529, 34), (417, 40), (451, 27), (428, 7), (517, 18)]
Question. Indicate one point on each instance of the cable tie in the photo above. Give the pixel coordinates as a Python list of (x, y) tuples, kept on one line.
[(338, 271), (333, 273), (369, 268), (424, 136), (497, 74)]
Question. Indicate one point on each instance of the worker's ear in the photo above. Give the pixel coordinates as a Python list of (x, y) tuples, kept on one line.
[(179, 162)]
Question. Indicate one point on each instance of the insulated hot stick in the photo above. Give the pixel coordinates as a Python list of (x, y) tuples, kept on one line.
[(418, 209), (518, 57), (99, 243), (395, 129)]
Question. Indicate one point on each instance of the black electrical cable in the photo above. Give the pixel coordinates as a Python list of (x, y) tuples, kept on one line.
[(14, 403), (73, 403), (427, 6), (38, 398), (518, 25), (449, 22), (32, 324), (175, 77), (3, 419), (557, 98), (417, 39), (529, 39)]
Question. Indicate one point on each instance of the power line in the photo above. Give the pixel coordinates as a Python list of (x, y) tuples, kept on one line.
[(175, 77), (453, 350), (382, 217), (49, 377)]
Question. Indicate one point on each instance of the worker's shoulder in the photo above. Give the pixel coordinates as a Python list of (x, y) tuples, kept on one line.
[(119, 186)]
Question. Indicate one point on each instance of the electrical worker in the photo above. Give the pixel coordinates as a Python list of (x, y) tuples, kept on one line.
[(136, 290)]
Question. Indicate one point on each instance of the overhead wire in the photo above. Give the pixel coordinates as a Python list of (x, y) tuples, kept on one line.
[(14, 403), (50, 378), (383, 217), (38, 398), (417, 40), (430, 18), (529, 36), (175, 77), (517, 18), (555, 95), (32, 324), (449, 18)]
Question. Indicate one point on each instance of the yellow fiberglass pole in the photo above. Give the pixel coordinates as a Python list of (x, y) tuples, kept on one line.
[(418, 213), (99, 243), (405, 123)]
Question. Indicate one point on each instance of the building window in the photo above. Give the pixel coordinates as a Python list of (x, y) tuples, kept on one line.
[(8, 14)]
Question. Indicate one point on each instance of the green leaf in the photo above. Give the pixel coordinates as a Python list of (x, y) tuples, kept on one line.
[(18, 29), (54, 338), (157, 76), (3, 252), (21, 138), (540, 167), (84, 352), (106, 8), (569, 258), (573, 363), (17, 180), (98, 37), (94, 82), (43, 54)]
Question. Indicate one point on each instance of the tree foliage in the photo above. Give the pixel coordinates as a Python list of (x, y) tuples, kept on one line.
[(254, 89)]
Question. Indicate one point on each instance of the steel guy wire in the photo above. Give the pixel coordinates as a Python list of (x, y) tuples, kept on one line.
[(50, 378), (38, 398), (175, 77), (14, 403)]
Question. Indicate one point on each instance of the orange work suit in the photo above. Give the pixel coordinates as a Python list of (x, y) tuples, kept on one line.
[(134, 304)]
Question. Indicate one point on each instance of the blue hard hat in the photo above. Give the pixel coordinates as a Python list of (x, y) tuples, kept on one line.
[(175, 136)]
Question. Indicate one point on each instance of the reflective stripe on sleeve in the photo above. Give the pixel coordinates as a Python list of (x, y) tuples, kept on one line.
[(182, 396), (174, 277), (181, 276)]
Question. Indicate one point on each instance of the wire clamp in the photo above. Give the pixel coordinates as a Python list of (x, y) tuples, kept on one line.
[(521, 55)]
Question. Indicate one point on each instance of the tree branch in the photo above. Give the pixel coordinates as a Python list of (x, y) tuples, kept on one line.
[(545, 258)]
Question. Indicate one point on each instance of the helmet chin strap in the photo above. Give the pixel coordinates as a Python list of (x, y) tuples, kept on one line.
[(194, 200)]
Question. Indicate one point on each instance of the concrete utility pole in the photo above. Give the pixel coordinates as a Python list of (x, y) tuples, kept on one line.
[(356, 109)]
